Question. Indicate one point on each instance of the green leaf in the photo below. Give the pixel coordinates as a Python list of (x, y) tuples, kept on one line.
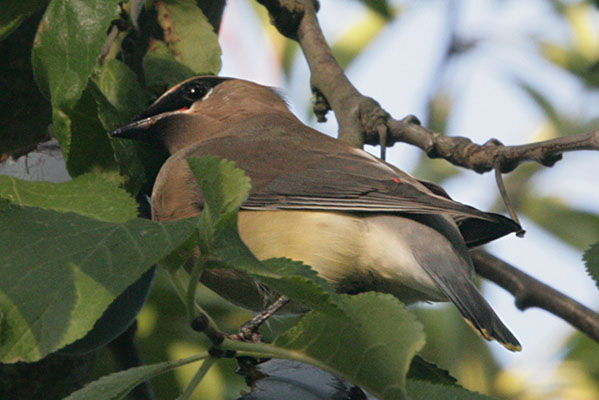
[(68, 43), (454, 345), (292, 278), (89, 148), (60, 271), (119, 85), (575, 227), (290, 50), (161, 69), (422, 390), (24, 113), (15, 12), (372, 349), (561, 124), (179, 257), (119, 97), (224, 186), (356, 39), (276, 326), (434, 170), (423, 370), (439, 110), (89, 195), (380, 7), (185, 26), (591, 260), (117, 385), (301, 283), (584, 352), (542, 102), (580, 54), (224, 189)]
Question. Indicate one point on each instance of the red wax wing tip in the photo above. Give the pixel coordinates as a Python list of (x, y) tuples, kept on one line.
[(397, 180), (184, 109)]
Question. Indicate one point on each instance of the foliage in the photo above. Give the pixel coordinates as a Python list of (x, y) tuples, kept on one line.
[(591, 258), (67, 251), (90, 223), (117, 385), (76, 266)]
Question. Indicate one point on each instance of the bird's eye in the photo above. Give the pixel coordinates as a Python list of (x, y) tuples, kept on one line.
[(194, 92)]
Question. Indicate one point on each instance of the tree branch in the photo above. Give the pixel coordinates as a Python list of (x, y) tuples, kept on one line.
[(363, 121), (463, 152), (529, 292), (296, 19)]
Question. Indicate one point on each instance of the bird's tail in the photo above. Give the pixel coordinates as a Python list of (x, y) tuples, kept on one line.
[(477, 312), (442, 253)]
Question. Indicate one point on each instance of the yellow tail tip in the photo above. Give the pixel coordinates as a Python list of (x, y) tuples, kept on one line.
[(482, 332)]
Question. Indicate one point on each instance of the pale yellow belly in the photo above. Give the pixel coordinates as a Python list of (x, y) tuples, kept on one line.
[(353, 253), (329, 242)]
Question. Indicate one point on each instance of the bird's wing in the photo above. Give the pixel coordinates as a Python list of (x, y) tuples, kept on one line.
[(357, 191), (334, 177), (477, 231)]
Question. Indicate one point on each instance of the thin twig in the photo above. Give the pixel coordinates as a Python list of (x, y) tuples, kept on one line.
[(507, 201), (112, 35), (249, 329), (463, 152), (197, 378), (201, 321)]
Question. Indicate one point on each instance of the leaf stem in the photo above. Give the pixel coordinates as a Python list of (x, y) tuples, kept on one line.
[(197, 378), (190, 297), (265, 350), (177, 284), (199, 319)]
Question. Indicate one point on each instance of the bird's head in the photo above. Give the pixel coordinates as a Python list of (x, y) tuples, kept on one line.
[(198, 108)]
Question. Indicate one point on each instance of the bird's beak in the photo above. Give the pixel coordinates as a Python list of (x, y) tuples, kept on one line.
[(141, 128), (167, 105)]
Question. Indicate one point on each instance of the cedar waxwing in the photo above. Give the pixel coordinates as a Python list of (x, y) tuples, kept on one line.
[(361, 223)]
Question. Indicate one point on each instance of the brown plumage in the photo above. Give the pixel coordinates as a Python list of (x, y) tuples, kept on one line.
[(360, 222)]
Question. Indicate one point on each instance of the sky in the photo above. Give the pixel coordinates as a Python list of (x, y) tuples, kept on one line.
[(396, 70)]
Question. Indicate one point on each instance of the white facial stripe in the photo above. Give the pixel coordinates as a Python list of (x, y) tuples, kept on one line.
[(208, 94)]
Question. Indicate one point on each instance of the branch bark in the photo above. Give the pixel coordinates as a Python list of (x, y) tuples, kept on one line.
[(363, 121), (463, 152)]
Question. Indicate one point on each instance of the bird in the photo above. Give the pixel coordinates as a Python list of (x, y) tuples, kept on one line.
[(360, 222)]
